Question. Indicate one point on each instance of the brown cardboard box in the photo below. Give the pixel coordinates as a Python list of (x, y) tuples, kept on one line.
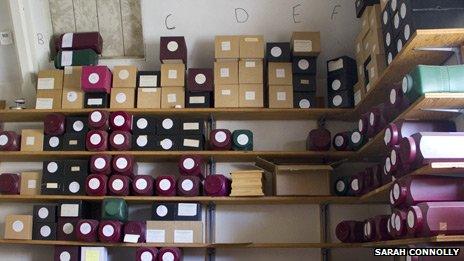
[(50, 80), (124, 76), (160, 232), (72, 99), (383, 4), (250, 71), (250, 95), (226, 96), (280, 74), (359, 48), (48, 99), (149, 98), (375, 67), (188, 232), (172, 97), (372, 42), (122, 98), (32, 140), (360, 63), (359, 93), (72, 77), (172, 74), (30, 183), (18, 227), (306, 43), (226, 47), (375, 17), (280, 96), (226, 72), (365, 21), (251, 47)]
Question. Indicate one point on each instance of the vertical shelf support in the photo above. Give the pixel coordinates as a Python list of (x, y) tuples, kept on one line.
[(324, 229)]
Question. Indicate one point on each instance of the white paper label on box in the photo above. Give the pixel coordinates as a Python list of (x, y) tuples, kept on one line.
[(45, 83), (280, 73), (276, 51), (3, 140), (94, 183), (250, 96), (166, 144), (131, 238), (251, 39), (78, 126), (121, 97), (243, 139), (43, 212), (119, 139), (69, 210), (45, 231), (71, 96), (121, 163), (99, 163), (44, 103), (197, 100), (18, 226), (68, 70), (335, 65), (161, 210), (304, 104), (74, 187), (65, 256), (187, 185), (108, 230), (172, 97), (172, 46), (72, 142), (172, 74), (250, 64), (187, 209), (224, 72), (303, 46), (191, 126), (281, 96), (67, 41), (148, 81), (372, 73), (191, 143), (156, 236), (95, 101), (357, 97), (66, 58), (52, 167), (200, 78), (225, 92), (225, 46), (32, 184), (149, 89), (30, 141), (142, 140), (117, 184), (183, 236), (141, 184), (123, 74)]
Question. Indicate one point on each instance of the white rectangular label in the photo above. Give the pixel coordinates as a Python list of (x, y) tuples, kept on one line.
[(156, 236), (225, 46), (131, 238), (250, 96), (172, 74), (69, 210), (44, 103), (148, 81), (453, 144), (72, 142), (187, 209), (66, 58), (45, 83), (251, 39), (372, 73), (281, 96), (335, 65), (172, 97), (357, 97), (280, 73), (75, 168), (191, 143), (68, 70), (183, 236), (95, 101), (303, 46), (52, 185), (197, 100), (250, 64), (31, 184), (149, 89), (443, 165), (225, 92), (30, 140), (67, 41), (191, 126), (224, 72)]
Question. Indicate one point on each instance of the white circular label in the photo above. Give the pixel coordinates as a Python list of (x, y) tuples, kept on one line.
[(368, 228), (187, 185), (164, 184), (392, 200), (304, 104), (146, 256), (108, 230), (68, 228), (99, 163), (336, 85), (411, 219), (387, 136), (392, 220), (172, 46), (337, 100), (78, 126), (407, 32), (85, 228), (3, 140), (393, 96), (303, 64), (387, 164), (121, 97), (360, 125), (94, 78), (393, 157), (242, 139), (200, 78), (356, 137), (119, 139), (95, 139), (396, 191), (74, 187), (52, 167), (117, 184), (394, 5), (166, 144), (396, 21), (45, 231), (276, 51), (340, 186), (161, 211), (54, 142), (389, 226), (399, 45), (43, 213), (142, 123), (167, 124), (372, 119), (18, 226), (339, 140), (398, 223), (96, 116), (355, 184), (388, 39), (71, 96), (65, 256), (385, 17), (168, 256), (403, 10), (220, 136), (390, 58), (188, 163), (123, 74), (405, 84), (121, 163), (141, 184), (94, 183), (119, 120), (142, 141)]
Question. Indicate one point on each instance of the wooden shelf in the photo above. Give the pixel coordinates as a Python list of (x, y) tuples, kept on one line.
[(417, 241), (33, 115), (407, 59)]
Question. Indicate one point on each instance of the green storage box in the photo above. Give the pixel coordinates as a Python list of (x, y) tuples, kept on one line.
[(114, 209), (242, 140), (76, 58)]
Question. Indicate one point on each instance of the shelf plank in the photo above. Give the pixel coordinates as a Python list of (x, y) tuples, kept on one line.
[(408, 58), (417, 241)]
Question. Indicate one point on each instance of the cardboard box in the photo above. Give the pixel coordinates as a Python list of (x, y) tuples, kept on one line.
[(124, 76), (280, 74), (226, 72), (250, 96), (365, 21), (32, 139), (172, 97), (149, 98), (383, 4), (374, 69), (361, 70), (50, 80), (146, 79), (122, 98), (72, 99), (359, 93), (160, 232), (188, 232), (226, 47), (250, 71), (72, 77), (252, 47), (359, 50), (375, 38), (226, 96), (172, 74), (48, 99), (94, 254), (96, 100), (306, 43), (280, 96), (30, 183), (18, 227), (375, 17), (306, 100)]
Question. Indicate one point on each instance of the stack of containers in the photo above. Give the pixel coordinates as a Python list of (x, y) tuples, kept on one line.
[(63, 133), (149, 89), (280, 89), (250, 72), (73, 96), (64, 177), (49, 89), (341, 77), (96, 84), (200, 88), (124, 83), (44, 222), (78, 49), (173, 56)]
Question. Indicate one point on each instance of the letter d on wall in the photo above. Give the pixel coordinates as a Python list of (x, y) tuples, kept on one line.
[(241, 15)]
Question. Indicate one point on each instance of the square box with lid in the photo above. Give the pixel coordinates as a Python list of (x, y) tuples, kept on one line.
[(124, 76)]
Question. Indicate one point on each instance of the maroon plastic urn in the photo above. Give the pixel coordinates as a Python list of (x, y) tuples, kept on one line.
[(170, 254), (394, 166), (124, 165), (319, 139), (119, 185), (110, 231), (220, 139), (217, 185), (350, 231), (67, 253), (146, 254), (87, 230), (66, 229), (80, 41), (173, 48), (120, 140), (96, 185), (398, 223), (120, 120), (165, 186), (376, 228), (10, 183), (10, 141), (100, 164), (54, 124), (191, 165), (363, 124), (143, 185), (341, 141), (390, 228), (137, 228), (200, 80), (188, 186), (397, 100), (96, 140), (99, 120), (377, 120)]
